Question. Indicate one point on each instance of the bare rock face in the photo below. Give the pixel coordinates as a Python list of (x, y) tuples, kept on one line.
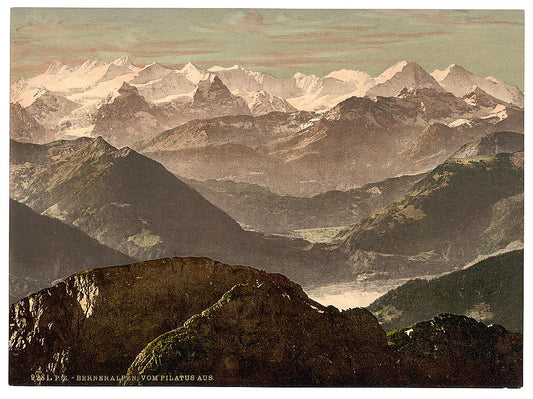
[(128, 118), (24, 127), (96, 322), (153, 322), (272, 335), (213, 93), (455, 350), (49, 108)]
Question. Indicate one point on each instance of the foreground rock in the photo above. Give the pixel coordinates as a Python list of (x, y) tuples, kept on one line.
[(195, 321), (271, 335), (457, 351), (96, 322)]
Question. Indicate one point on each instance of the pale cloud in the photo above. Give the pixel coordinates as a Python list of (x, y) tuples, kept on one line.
[(249, 21), (455, 17)]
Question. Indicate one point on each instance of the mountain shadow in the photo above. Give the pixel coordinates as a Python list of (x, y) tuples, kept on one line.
[(43, 250)]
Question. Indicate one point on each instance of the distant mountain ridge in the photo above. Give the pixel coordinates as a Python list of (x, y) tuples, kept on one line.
[(259, 209), (369, 139), (134, 205), (457, 80), (94, 83), (462, 209)]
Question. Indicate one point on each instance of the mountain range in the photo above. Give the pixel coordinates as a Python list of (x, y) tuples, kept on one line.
[(464, 208), (257, 208), (369, 140), (73, 94), (133, 205), (342, 179)]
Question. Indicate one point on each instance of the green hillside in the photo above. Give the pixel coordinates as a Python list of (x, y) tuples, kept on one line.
[(490, 291)]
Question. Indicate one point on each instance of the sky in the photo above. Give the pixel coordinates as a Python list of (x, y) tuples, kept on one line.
[(280, 42)]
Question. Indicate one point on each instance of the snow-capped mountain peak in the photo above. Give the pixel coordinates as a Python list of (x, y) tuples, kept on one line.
[(193, 73), (390, 72), (459, 81), (54, 68), (156, 66), (402, 75), (349, 75), (453, 69), (189, 67), (123, 61)]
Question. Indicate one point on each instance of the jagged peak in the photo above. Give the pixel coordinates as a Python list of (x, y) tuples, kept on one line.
[(475, 90), (90, 64), (391, 71), (54, 67), (123, 61), (190, 67), (211, 79), (155, 66), (440, 75), (126, 88)]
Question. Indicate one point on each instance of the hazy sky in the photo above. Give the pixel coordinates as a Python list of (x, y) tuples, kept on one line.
[(280, 42)]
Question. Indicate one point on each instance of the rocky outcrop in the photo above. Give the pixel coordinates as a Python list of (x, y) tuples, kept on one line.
[(193, 321), (128, 118), (272, 335), (491, 144), (457, 351), (211, 92), (96, 322), (24, 127), (50, 108)]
